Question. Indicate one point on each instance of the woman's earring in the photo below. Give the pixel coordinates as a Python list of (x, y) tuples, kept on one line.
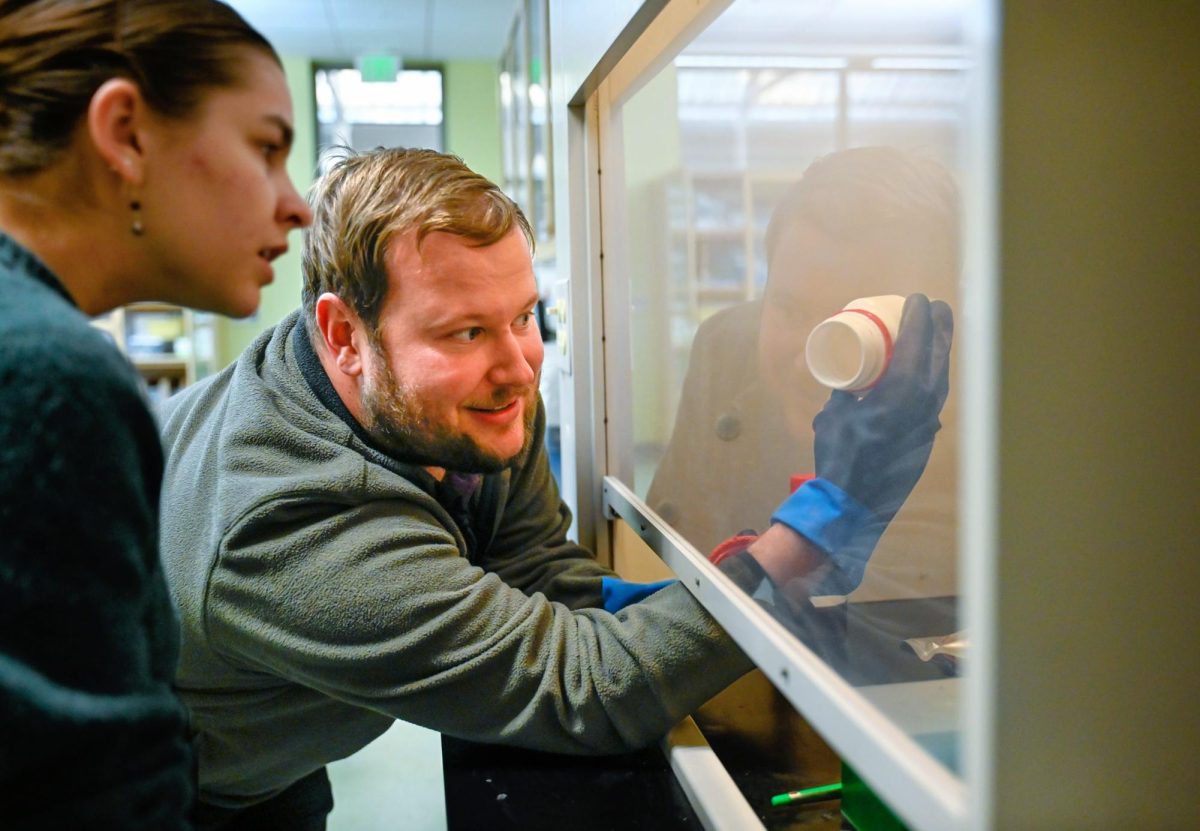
[(136, 227)]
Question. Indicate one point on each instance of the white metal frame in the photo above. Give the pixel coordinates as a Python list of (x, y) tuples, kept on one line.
[(709, 788), (581, 399), (978, 337)]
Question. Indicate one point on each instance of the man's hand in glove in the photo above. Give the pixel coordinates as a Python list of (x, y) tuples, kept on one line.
[(870, 452)]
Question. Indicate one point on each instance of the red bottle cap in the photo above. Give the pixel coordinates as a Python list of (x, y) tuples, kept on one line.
[(799, 479)]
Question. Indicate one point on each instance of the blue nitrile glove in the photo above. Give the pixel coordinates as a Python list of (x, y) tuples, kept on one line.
[(871, 451), (616, 593)]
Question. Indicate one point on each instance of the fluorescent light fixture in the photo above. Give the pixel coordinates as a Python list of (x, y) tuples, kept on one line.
[(758, 62), (921, 63)]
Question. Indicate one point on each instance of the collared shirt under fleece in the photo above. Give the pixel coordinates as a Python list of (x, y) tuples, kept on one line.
[(325, 591)]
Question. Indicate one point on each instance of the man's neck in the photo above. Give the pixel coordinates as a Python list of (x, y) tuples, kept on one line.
[(347, 391)]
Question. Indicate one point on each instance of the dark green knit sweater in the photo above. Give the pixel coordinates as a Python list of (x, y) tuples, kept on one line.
[(91, 734)]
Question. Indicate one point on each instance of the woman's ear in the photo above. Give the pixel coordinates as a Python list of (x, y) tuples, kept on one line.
[(115, 119), (343, 336)]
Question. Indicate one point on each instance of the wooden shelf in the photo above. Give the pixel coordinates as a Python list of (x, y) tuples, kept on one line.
[(151, 364), (152, 306), (164, 373)]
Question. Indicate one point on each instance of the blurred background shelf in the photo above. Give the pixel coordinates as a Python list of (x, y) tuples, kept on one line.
[(170, 346)]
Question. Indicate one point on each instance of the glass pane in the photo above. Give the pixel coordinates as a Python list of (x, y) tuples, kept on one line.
[(796, 157)]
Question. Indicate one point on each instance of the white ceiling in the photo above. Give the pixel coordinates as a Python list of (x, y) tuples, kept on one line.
[(439, 30), (416, 30)]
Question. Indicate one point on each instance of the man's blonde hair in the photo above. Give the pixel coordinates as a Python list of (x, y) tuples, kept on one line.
[(368, 198)]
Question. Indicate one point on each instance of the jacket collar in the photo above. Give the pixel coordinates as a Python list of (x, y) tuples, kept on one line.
[(16, 258)]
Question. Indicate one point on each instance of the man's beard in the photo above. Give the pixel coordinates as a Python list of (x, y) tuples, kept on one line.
[(400, 425)]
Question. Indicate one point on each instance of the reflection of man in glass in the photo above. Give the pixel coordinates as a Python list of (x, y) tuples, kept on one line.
[(858, 223), (861, 222)]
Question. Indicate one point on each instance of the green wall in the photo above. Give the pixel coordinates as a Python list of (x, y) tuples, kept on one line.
[(472, 112), (472, 131)]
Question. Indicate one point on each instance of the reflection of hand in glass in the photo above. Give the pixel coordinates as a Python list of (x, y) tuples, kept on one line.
[(875, 447), (871, 451), (860, 223)]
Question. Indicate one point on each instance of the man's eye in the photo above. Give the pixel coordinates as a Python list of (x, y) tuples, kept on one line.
[(467, 335), (524, 320)]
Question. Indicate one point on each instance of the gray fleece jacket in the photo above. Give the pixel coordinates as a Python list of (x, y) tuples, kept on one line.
[(326, 589)]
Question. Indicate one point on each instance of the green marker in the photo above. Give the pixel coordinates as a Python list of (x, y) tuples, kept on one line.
[(807, 794)]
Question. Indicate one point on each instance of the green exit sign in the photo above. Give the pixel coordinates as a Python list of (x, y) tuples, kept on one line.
[(379, 68)]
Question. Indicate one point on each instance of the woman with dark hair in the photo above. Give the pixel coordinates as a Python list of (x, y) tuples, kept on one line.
[(142, 156)]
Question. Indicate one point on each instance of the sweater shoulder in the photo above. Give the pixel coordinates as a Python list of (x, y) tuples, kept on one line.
[(49, 343)]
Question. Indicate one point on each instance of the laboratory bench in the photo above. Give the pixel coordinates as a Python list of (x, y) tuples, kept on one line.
[(763, 744)]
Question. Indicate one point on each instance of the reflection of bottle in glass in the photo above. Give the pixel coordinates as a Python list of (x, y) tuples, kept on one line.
[(851, 350)]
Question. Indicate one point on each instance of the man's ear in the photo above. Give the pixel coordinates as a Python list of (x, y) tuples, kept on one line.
[(116, 118), (342, 334)]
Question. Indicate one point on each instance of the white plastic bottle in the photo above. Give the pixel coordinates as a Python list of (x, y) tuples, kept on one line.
[(851, 350)]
